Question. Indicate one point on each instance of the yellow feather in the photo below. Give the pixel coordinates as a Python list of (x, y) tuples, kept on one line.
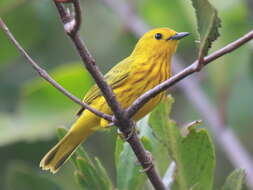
[(147, 66)]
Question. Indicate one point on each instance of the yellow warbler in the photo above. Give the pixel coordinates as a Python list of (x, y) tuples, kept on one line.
[(148, 65)]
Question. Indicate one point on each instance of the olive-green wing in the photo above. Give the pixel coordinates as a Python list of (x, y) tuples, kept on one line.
[(115, 77)]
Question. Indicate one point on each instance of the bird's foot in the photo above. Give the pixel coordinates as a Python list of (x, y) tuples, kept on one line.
[(148, 163), (129, 135)]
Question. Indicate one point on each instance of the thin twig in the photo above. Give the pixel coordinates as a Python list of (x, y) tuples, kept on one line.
[(131, 19), (89, 62), (144, 98), (224, 135), (121, 118), (47, 77), (124, 123), (78, 16), (226, 138)]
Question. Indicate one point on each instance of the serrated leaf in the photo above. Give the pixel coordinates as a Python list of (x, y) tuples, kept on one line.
[(235, 180), (193, 154), (208, 25), (158, 122), (197, 160)]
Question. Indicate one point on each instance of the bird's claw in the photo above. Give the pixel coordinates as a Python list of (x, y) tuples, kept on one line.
[(129, 135), (149, 162), (110, 124)]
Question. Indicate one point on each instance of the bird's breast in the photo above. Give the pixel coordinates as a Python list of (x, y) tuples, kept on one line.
[(144, 77), (151, 73)]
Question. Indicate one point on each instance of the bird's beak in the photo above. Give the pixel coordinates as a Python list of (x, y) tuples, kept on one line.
[(179, 36)]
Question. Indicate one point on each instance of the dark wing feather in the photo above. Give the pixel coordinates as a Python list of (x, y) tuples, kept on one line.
[(115, 77)]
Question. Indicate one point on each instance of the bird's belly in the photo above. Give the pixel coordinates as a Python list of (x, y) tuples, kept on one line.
[(131, 90), (149, 106), (125, 99), (127, 96)]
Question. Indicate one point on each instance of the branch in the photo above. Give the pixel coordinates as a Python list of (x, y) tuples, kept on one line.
[(144, 98), (225, 136), (125, 124), (47, 77), (131, 19), (71, 23), (88, 60)]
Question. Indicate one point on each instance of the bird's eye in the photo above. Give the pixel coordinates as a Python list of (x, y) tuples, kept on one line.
[(158, 36)]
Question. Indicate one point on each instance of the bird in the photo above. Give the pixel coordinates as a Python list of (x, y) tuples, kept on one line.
[(148, 65)]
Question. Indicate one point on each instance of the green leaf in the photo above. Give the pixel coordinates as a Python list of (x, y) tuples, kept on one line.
[(147, 143), (42, 108), (159, 119), (153, 138), (61, 132), (103, 176), (79, 178), (195, 160), (39, 97), (159, 122), (208, 24), (128, 169), (235, 180), (118, 150), (128, 172), (92, 176), (21, 177), (89, 174), (193, 154)]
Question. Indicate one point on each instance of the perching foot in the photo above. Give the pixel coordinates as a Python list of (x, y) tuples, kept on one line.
[(149, 162)]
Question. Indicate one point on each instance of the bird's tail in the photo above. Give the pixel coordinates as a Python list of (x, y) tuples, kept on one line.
[(59, 154)]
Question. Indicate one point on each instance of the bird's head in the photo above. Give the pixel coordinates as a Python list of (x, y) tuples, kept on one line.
[(158, 41)]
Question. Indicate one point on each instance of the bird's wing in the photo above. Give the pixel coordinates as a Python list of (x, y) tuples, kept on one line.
[(115, 77)]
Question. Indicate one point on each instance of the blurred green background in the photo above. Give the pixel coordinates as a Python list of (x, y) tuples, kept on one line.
[(31, 110)]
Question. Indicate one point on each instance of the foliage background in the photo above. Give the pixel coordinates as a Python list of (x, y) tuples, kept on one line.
[(31, 110)]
